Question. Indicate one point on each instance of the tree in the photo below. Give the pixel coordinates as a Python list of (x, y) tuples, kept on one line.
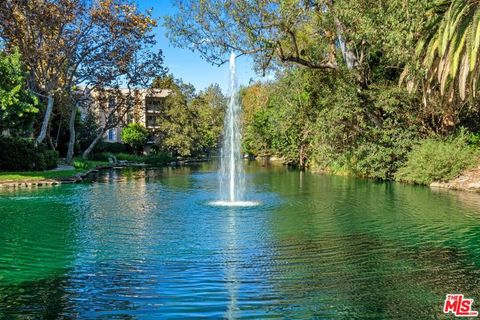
[(292, 116), (371, 39), (321, 34), (17, 104), (74, 45), (209, 106), (135, 135), (42, 31), (176, 132), (189, 123), (257, 132), (270, 31), (450, 52)]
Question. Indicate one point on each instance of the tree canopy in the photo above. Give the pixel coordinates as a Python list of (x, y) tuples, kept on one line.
[(189, 123), (18, 105), (135, 135)]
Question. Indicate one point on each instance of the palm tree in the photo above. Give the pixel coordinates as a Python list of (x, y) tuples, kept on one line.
[(450, 53)]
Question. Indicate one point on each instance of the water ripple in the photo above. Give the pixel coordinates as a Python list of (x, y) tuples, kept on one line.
[(146, 244)]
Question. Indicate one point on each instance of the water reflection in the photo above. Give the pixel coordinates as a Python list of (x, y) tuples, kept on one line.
[(230, 263), (143, 244)]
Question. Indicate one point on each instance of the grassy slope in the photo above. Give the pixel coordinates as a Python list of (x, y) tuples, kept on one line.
[(37, 175), (50, 174)]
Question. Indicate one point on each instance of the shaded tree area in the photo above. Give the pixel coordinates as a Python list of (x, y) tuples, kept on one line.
[(73, 49), (358, 85), (190, 123)]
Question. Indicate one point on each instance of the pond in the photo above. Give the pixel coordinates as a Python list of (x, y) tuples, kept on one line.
[(147, 244)]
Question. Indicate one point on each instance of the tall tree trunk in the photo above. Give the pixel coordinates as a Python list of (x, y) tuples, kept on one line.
[(59, 130), (92, 145), (71, 140), (301, 156), (46, 119)]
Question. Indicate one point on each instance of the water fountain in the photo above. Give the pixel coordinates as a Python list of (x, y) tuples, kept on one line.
[(231, 175)]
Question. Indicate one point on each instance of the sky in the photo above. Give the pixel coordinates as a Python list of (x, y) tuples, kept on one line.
[(188, 65)]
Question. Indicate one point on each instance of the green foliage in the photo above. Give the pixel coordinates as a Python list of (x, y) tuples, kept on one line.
[(451, 53), (301, 32), (332, 127), (134, 158), (17, 104), (80, 164), (189, 124), (158, 159), (282, 124), (474, 139), (21, 155), (382, 150), (209, 107), (38, 175), (100, 156), (438, 160), (135, 135), (111, 147), (365, 135), (50, 158)]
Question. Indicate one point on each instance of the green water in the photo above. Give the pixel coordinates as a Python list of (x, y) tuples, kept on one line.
[(146, 244)]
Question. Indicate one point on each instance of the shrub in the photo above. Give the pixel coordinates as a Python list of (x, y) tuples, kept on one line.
[(384, 151), (111, 147), (159, 159), (101, 156), (438, 160), (51, 159), (130, 157), (80, 164), (22, 155), (135, 135)]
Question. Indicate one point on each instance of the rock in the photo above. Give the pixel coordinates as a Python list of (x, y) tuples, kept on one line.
[(467, 181)]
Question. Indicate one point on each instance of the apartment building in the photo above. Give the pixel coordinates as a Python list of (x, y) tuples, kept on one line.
[(140, 106)]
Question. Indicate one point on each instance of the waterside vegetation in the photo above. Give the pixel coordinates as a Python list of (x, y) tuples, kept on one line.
[(378, 89), (384, 90)]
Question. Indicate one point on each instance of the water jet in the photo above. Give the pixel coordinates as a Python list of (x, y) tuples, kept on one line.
[(231, 174)]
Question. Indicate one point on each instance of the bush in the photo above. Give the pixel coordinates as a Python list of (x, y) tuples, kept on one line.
[(102, 156), (22, 155), (135, 135), (383, 152), (51, 159), (80, 164), (158, 159), (438, 160), (111, 147), (130, 157)]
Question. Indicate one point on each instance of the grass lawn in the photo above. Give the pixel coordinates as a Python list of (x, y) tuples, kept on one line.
[(50, 174), (37, 175)]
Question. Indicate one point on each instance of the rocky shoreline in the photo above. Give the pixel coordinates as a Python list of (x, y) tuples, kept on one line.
[(29, 183), (467, 181)]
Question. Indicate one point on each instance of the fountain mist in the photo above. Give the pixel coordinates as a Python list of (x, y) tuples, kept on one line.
[(231, 170)]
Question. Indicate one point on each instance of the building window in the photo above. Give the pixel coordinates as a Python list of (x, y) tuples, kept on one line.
[(112, 134), (154, 105), (151, 121), (111, 103)]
